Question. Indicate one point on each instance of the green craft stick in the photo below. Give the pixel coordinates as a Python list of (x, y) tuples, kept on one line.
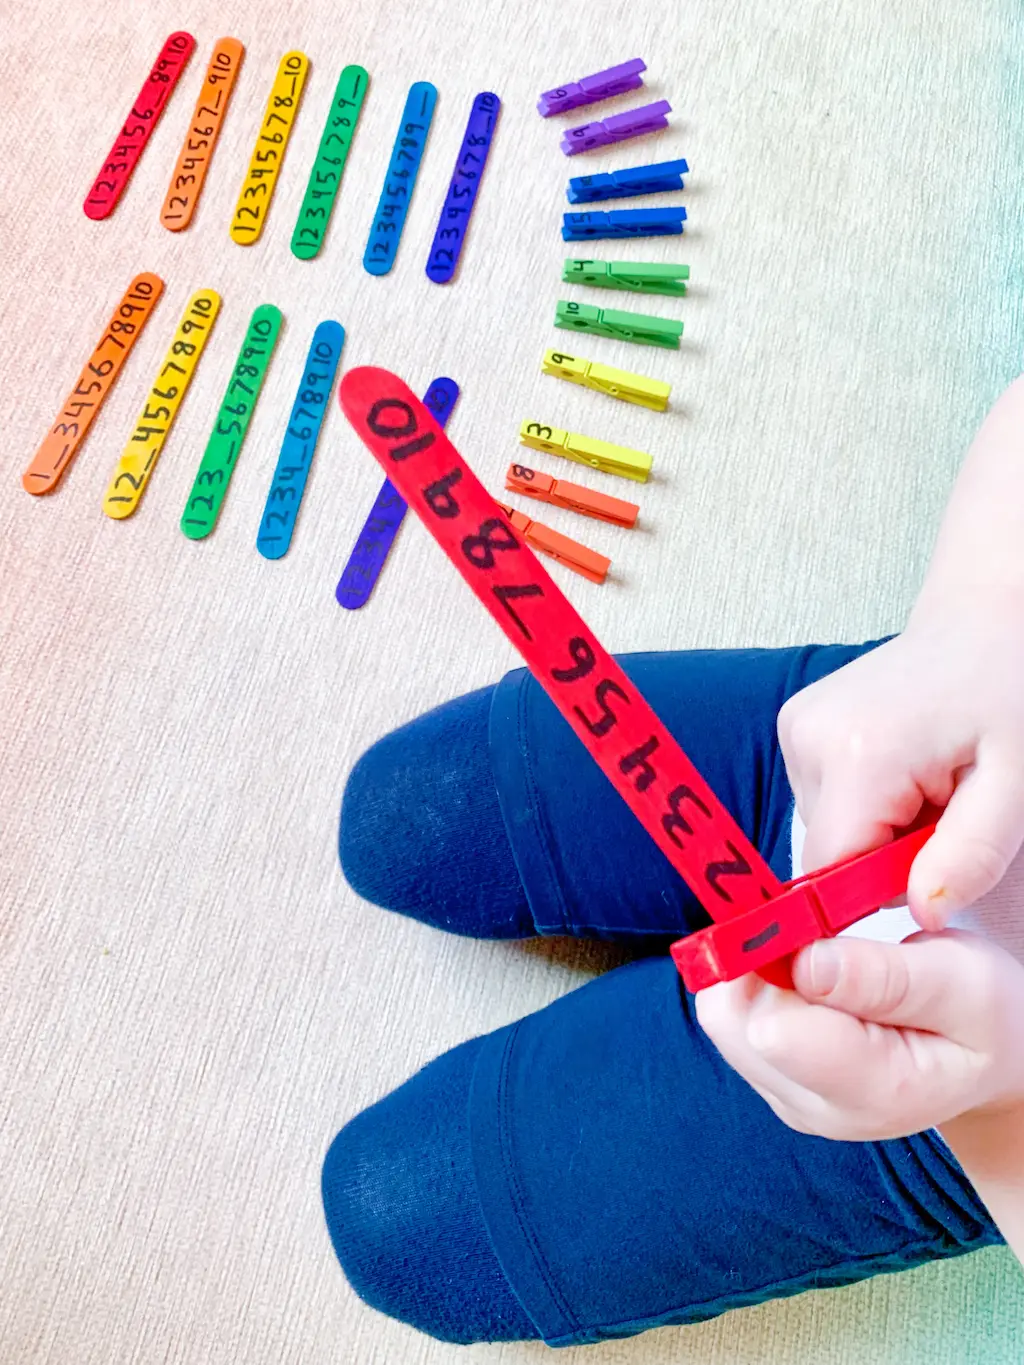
[(325, 177), (218, 463), (636, 277), (621, 326)]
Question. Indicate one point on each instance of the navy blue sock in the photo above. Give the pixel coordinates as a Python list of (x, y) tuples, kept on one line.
[(404, 1216), (414, 803)]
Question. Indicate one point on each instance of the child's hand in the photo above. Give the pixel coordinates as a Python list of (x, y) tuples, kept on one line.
[(935, 715), (878, 1040)]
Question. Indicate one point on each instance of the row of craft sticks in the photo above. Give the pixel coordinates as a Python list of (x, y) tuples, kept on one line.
[(251, 211), (166, 395), (277, 524), (138, 460)]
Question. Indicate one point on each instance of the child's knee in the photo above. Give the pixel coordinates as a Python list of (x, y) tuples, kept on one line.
[(362, 1203), (400, 813), (403, 1211), (364, 845), (421, 829)]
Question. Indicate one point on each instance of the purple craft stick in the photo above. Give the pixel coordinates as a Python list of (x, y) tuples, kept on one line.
[(634, 122), (462, 192), (378, 534), (592, 89)]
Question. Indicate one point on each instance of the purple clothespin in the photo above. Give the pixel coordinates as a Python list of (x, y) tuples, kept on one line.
[(591, 89), (634, 122)]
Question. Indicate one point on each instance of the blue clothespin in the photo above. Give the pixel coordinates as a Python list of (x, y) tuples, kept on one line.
[(578, 227), (660, 178)]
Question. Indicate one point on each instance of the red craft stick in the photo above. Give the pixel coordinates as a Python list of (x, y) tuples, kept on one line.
[(623, 735), (620, 731), (109, 185)]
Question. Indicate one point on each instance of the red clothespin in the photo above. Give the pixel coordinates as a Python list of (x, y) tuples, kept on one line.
[(561, 493), (817, 906), (550, 542)]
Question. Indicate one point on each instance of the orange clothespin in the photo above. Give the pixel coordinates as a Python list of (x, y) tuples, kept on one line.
[(550, 542), (561, 493)]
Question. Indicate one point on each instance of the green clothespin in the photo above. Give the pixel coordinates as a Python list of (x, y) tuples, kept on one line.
[(611, 322), (635, 277)]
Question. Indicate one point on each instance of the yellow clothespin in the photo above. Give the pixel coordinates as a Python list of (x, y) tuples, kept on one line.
[(610, 459), (631, 388)]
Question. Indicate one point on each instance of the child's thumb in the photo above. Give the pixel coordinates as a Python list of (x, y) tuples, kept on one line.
[(913, 985), (978, 836)]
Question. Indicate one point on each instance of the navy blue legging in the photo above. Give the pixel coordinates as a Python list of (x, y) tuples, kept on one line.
[(596, 1168)]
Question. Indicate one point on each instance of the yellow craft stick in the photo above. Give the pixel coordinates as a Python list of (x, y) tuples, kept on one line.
[(631, 388), (268, 153), (146, 442), (603, 455)]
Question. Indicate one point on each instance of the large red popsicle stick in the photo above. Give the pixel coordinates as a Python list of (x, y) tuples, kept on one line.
[(620, 731)]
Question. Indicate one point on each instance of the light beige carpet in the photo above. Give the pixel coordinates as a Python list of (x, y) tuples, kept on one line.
[(191, 1002)]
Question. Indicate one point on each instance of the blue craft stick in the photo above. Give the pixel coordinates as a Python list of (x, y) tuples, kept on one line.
[(578, 227), (377, 536), (659, 178), (400, 181), (462, 192), (299, 444)]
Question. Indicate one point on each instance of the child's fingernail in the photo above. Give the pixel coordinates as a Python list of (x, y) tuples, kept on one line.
[(934, 914), (824, 966), (940, 907)]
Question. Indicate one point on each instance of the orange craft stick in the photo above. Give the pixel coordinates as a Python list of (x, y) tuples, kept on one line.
[(561, 493), (94, 383), (203, 131), (551, 542)]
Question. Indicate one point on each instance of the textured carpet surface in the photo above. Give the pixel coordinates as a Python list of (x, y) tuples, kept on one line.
[(191, 1002)]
